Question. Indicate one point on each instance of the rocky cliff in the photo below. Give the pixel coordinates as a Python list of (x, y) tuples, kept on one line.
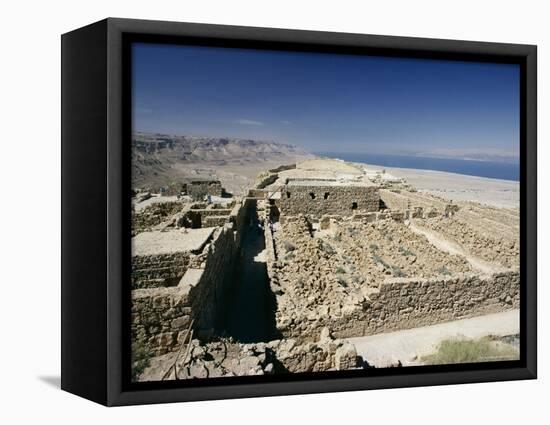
[(159, 159)]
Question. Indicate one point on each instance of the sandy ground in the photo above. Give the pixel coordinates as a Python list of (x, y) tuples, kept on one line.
[(155, 199), (459, 187), (236, 177), (406, 346)]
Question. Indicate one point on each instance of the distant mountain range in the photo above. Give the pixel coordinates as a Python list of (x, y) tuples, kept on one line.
[(158, 159)]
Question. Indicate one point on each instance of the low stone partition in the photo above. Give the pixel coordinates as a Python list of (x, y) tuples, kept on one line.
[(399, 216), (283, 168), (160, 258), (215, 220), (153, 215), (403, 303), (202, 217), (151, 271), (257, 193), (408, 303), (420, 206), (266, 179)]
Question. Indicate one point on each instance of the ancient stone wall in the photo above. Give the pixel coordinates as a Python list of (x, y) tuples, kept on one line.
[(408, 303), (197, 190), (257, 193), (153, 215), (319, 199), (283, 168), (395, 201), (266, 179), (160, 316), (208, 297), (271, 254), (215, 220), (200, 217), (173, 189), (151, 271), (420, 205), (403, 303)]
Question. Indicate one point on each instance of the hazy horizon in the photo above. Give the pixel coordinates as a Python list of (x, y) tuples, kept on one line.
[(329, 103)]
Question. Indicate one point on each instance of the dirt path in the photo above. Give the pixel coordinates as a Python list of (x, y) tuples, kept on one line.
[(443, 244), (407, 346)]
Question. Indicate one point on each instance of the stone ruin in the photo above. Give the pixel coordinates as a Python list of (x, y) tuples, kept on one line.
[(319, 197), (195, 189), (343, 256)]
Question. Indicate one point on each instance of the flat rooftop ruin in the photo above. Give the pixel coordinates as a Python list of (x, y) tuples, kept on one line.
[(329, 182), (321, 196), (172, 241)]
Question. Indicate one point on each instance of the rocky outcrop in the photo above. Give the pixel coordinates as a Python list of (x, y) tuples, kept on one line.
[(157, 159)]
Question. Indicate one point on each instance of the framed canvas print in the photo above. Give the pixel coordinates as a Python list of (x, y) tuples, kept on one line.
[(252, 212)]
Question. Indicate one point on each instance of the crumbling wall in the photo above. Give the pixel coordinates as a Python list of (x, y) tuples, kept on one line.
[(420, 205), (283, 168), (322, 355), (320, 199), (151, 271), (173, 189), (266, 179), (498, 245), (224, 357), (403, 303), (257, 193), (271, 255), (408, 303), (208, 297), (153, 215), (215, 220), (197, 190), (202, 217), (160, 316)]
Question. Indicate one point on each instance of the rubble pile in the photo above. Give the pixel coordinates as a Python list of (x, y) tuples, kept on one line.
[(331, 277), (152, 215), (497, 247), (225, 357)]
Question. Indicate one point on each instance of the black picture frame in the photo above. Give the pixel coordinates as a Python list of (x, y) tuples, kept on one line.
[(96, 90)]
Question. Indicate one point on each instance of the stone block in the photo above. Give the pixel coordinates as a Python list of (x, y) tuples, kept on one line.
[(345, 357)]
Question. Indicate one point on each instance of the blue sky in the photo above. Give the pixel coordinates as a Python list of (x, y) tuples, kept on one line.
[(328, 102)]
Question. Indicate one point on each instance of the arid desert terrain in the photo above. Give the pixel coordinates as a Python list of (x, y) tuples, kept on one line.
[(254, 258)]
